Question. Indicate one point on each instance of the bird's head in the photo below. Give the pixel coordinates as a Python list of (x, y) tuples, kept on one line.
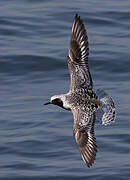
[(56, 100), (59, 100)]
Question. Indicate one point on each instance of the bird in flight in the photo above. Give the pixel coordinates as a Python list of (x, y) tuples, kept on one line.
[(81, 98)]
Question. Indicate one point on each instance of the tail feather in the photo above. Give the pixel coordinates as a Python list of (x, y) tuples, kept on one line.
[(108, 107)]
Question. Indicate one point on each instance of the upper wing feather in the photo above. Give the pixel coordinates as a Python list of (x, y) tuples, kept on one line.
[(78, 56)]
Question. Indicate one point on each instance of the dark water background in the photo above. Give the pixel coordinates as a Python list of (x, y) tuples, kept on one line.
[(36, 142)]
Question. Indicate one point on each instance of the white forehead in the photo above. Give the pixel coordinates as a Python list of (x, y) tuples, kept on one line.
[(58, 96), (54, 97)]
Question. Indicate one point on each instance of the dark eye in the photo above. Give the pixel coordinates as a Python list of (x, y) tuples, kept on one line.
[(55, 100), (58, 102)]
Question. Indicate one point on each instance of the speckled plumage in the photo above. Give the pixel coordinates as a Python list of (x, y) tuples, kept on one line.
[(81, 99)]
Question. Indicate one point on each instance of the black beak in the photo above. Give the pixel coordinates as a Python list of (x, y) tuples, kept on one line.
[(47, 103)]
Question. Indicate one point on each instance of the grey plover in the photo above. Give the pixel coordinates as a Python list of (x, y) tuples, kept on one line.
[(81, 98)]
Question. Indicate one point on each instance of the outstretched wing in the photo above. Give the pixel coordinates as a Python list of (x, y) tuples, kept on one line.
[(78, 56), (84, 134)]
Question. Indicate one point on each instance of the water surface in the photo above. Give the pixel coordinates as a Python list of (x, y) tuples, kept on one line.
[(37, 141)]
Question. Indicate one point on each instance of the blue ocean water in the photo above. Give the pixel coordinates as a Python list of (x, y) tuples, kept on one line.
[(37, 141)]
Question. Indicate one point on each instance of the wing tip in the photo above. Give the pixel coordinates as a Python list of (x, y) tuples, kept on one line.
[(79, 34), (77, 19), (88, 158), (77, 16)]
